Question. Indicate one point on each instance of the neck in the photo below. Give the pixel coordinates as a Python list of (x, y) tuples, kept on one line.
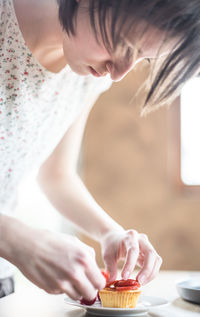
[(42, 32), (39, 22)]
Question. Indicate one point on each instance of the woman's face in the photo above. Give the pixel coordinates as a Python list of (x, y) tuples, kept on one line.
[(87, 56)]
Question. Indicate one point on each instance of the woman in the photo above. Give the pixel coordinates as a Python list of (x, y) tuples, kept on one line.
[(56, 58)]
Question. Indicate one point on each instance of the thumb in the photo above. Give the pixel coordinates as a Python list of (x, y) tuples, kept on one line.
[(111, 267)]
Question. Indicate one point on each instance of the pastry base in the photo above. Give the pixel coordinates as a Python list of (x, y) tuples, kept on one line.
[(119, 299)]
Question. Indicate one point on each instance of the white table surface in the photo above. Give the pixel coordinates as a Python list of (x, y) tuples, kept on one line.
[(30, 301)]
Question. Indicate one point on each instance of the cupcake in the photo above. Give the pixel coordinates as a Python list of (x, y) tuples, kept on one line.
[(120, 294)]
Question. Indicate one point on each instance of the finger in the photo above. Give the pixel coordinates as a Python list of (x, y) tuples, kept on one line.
[(94, 275), (84, 286), (130, 262), (46, 281), (67, 288), (111, 267), (156, 268), (131, 246), (91, 270), (150, 256)]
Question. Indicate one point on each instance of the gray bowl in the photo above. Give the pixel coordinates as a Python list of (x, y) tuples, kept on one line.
[(190, 290)]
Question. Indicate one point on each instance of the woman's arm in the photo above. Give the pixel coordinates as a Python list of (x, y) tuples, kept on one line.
[(57, 263), (60, 181), (70, 196)]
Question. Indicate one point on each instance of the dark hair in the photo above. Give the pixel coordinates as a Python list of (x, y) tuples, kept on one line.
[(179, 19)]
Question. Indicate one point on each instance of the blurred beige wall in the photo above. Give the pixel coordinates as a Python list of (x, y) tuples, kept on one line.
[(125, 167)]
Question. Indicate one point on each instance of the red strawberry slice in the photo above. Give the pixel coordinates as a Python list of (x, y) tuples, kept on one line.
[(106, 275), (111, 284), (125, 288), (129, 282), (87, 302)]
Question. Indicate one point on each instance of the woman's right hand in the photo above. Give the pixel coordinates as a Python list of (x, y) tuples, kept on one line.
[(57, 263)]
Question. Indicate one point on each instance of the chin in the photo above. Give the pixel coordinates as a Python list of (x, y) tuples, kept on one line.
[(79, 71)]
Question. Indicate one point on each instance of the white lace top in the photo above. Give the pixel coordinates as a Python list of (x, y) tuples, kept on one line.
[(36, 108)]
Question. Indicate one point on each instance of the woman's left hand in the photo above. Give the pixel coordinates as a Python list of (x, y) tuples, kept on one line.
[(135, 249)]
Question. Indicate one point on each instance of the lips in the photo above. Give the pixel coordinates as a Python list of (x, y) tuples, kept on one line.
[(94, 72)]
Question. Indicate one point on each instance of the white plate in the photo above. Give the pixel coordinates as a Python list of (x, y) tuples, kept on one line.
[(144, 304), (190, 290)]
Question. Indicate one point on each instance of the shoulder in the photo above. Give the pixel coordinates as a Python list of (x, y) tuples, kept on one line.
[(2, 4), (3, 9), (5, 14)]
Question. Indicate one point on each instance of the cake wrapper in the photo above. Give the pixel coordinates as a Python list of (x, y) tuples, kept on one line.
[(119, 299)]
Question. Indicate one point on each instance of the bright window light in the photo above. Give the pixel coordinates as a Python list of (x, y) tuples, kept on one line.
[(190, 132)]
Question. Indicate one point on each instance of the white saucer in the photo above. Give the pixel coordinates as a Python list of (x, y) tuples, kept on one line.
[(144, 304), (190, 289)]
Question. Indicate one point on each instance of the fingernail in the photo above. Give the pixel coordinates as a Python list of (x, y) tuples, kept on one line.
[(126, 275), (142, 279)]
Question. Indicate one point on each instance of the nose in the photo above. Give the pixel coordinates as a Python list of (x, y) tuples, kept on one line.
[(119, 70)]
